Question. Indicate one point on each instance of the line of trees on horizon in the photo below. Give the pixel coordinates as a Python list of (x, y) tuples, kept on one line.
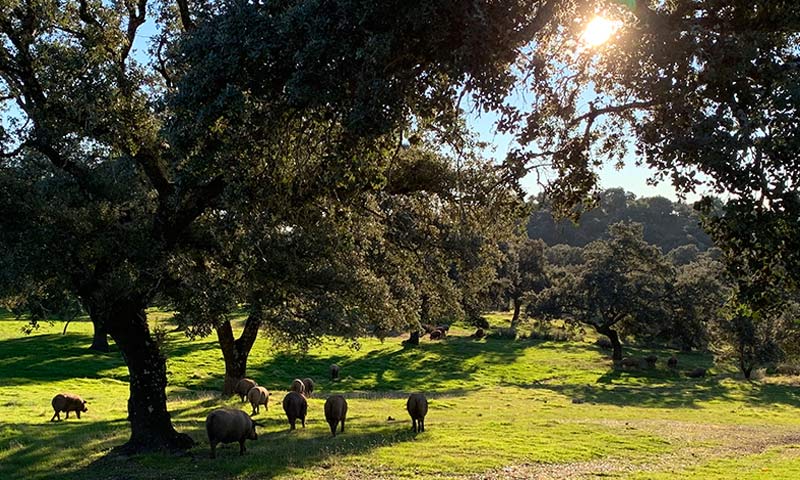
[(643, 270)]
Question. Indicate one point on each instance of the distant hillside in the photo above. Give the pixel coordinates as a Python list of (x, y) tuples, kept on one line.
[(666, 224)]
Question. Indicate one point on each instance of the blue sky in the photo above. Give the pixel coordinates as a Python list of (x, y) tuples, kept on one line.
[(631, 177)]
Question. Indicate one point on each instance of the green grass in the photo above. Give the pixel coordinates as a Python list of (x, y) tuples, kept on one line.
[(498, 408)]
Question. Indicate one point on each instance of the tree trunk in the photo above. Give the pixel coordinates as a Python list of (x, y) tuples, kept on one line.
[(746, 369), (100, 338), (515, 318), (151, 426), (235, 352), (413, 338), (616, 346)]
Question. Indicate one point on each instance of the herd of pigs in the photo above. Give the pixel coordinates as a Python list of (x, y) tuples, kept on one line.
[(228, 425)]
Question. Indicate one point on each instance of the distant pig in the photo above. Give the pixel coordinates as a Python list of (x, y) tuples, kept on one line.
[(298, 386), (308, 387), (67, 402), (226, 425)]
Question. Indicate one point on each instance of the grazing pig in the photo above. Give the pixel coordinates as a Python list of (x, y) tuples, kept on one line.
[(298, 386), (651, 361), (67, 402), (243, 386), (417, 406), (296, 407), (672, 362), (258, 396), (479, 333), (334, 372), (697, 373), (437, 334), (630, 362), (308, 387), (226, 425), (335, 412)]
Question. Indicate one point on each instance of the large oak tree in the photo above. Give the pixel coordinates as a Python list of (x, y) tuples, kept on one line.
[(113, 162)]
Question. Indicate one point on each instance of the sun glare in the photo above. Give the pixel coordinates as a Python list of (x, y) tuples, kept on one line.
[(598, 31)]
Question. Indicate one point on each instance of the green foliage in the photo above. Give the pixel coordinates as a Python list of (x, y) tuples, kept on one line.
[(697, 296), (622, 284), (749, 337), (666, 224), (709, 104), (521, 274)]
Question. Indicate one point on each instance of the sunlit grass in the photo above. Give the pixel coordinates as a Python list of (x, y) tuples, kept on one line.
[(545, 408)]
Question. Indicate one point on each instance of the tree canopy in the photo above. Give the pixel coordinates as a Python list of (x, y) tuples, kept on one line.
[(622, 283), (277, 118), (666, 224), (706, 93)]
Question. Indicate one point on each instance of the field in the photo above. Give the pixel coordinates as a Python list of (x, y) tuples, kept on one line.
[(499, 408)]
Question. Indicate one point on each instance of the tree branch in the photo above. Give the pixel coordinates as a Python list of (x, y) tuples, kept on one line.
[(83, 13), (543, 15), (154, 171), (186, 19), (136, 17), (593, 113), (170, 227)]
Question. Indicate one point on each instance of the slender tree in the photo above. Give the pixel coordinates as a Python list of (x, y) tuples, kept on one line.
[(522, 273)]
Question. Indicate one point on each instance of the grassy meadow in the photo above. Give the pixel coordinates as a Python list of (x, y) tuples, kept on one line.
[(499, 408)]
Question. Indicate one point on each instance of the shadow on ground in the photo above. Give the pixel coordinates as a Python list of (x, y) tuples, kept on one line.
[(431, 367), (273, 454)]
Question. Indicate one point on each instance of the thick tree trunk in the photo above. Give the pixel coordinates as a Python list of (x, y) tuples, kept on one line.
[(616, 346), (515, 318), (236, 351), (151, 426)]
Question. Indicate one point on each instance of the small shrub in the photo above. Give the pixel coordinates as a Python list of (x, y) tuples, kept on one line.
[(552, 335), (787, 369), (503, 333)]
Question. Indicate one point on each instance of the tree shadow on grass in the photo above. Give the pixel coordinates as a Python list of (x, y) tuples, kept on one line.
[(428, 367), (274, 453), (54, 357), (660, 388)]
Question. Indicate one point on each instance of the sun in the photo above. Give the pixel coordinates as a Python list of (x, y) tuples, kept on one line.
[(598, 31)]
